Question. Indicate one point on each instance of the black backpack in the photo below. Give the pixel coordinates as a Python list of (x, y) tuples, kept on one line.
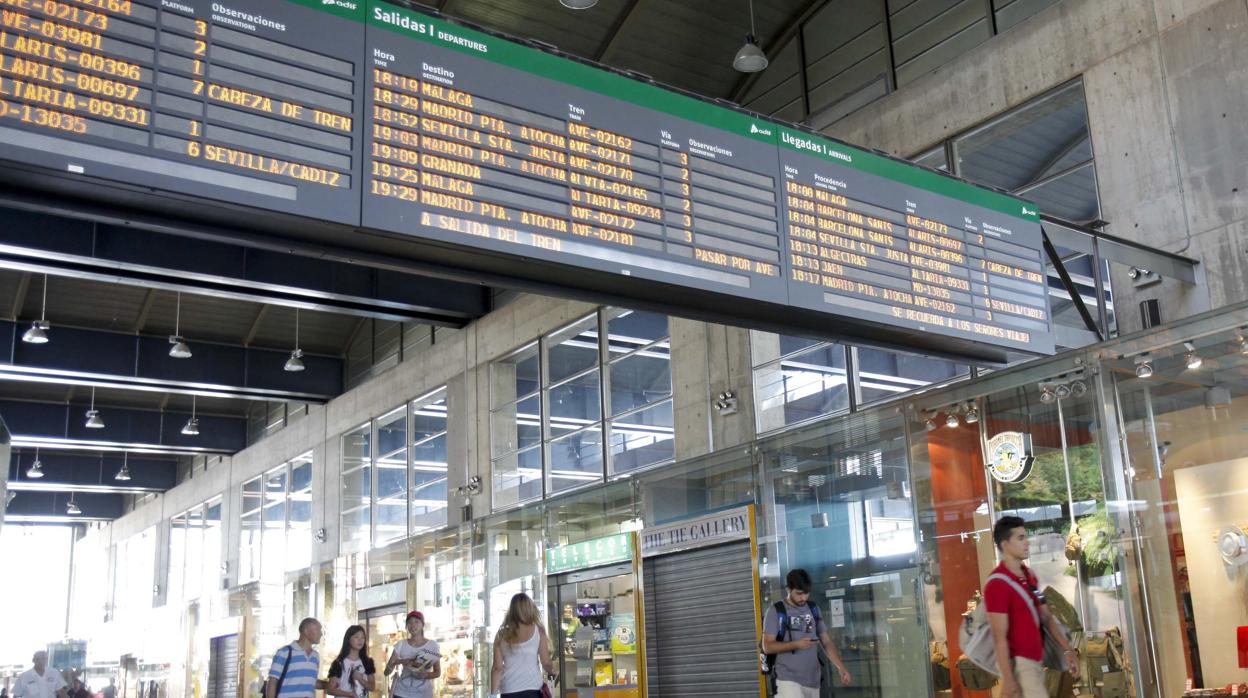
[(767, 662)]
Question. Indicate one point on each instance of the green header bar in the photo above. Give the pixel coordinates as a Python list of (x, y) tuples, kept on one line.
[(507, 53), (347, 9), (590, 553), (513, 55), (905, 173)]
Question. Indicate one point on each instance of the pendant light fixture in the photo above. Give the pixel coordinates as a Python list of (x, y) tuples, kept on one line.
[(750, 58), (38, 332), (123, 475), (295, 363), (178, 348), (93, 415), (36, 469), (191, 428), (578, 4), (72, 508)]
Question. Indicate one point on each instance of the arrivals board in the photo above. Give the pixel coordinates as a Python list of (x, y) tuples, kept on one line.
[(385, 119)]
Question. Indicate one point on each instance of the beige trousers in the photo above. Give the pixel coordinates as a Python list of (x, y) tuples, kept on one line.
[(1030, 676), (793, 689)]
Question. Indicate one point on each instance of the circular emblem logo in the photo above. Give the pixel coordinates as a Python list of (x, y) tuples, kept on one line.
[(1009, 456)]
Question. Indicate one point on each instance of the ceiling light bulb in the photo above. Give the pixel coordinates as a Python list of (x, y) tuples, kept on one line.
[(930, 424), (72, 508), (191, 428), (952, 421), (36, 469), (179, 348), (93, 420), (1062, 391), (38, 333), (123, 475), (750, 58), (972, 416), (1193, 360), (1144, 369), (295, 363), (1078, 388), (1243, 344), (1047, 396), (578, 4)]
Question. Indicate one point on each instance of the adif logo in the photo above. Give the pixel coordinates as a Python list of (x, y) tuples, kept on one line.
[(1029, 211), (755, 129), (346, 4)]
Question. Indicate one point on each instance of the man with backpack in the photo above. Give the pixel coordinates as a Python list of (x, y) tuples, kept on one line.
[(792, 629), (293, 673), (1016, 613)]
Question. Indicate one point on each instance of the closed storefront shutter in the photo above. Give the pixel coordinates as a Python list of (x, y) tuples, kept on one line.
[(223, 667), (700, 624)]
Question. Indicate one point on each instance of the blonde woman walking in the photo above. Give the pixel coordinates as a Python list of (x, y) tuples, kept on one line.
[(521, 652)]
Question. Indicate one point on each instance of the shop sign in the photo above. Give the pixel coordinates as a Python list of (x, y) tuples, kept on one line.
[(590, 553), (463, 592), (1010, 456), (719, 527), (392, 594)]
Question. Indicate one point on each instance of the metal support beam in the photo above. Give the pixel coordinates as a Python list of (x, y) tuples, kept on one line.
[(1075, 297), (49, 507), (43, 243), (628, 15), (91, 472), (62, 427), (111, 359), (19, 297)]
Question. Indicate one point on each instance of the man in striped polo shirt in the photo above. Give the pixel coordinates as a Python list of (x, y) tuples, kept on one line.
[(295, 666)]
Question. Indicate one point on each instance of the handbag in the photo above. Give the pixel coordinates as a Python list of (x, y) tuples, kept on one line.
[(548, 686)]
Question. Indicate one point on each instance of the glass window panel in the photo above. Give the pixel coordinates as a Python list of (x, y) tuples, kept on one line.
[(576, 459), (642, 438), (575, 404), (299, 530), (177, 559), (212, 545), (273, 543), (252, 495), (517, 477), (801, 387), (390, 518), (640, 379), (249, 547), (429, 415), (515, 376), (516, 426), (572, 350), (885, 374), (429, 484), (192, 585), (633, 329), (356, 487), (934, 158)]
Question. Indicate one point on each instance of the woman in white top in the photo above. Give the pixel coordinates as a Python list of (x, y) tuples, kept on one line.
[(521, 652), (352, 673), (419, 658)]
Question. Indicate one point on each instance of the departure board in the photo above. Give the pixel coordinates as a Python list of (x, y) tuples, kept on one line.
[(251, 101), (876, 247), (501, 155), (469, 151)]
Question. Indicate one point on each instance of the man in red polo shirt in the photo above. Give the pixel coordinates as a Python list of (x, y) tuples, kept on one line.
[(1016, 611)]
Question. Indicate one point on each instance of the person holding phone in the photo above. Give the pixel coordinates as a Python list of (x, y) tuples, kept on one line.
[(352, 674), (418, 656)]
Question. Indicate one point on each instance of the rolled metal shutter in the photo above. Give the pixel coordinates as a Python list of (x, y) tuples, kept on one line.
[(223, 667), (700, 624)]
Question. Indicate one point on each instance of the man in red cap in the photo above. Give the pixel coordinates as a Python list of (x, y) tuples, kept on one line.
[(419, 659)]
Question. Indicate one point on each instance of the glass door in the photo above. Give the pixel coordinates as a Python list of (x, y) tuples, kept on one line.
[(593, 622), (384, 628)]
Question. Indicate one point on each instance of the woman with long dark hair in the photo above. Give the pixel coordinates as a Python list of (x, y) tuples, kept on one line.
[(352, 673)]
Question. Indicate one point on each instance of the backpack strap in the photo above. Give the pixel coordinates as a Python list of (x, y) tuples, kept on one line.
[(290, 654), (1028, 599), (782, 621)]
